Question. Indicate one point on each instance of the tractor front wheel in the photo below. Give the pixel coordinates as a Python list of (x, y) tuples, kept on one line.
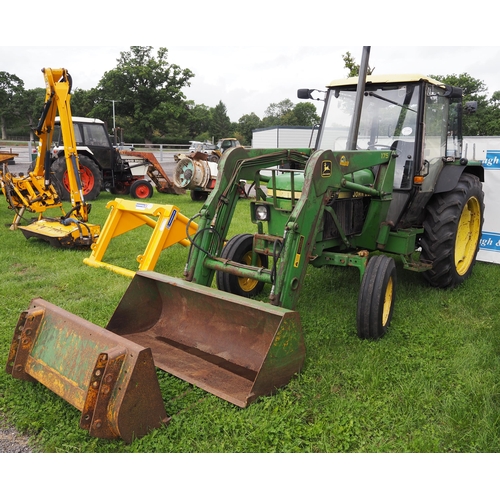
[(198, 195), (141, 189), (452, 232), (376, 297), (90, 176), (239, 249)]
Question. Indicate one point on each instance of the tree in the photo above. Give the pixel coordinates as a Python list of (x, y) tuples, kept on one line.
[(149, 90), (11, 87), (198, 119), (246, 125), (473, 90), (29, 104), (285, 113), (220, 123), (472, 87), (83, 102), (276, 112), (305, 114), (350, 64)]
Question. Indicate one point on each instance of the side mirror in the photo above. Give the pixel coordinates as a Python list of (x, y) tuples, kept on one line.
[(470, 107), (307, 94), (304, 94), (453, 92)]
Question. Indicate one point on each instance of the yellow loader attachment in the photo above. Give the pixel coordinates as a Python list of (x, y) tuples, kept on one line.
[(231, 346), (169, 228), (110, 379)]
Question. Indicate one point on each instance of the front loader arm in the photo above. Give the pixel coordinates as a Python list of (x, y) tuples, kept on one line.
[(325, 174), (217, 212), (301, 229)]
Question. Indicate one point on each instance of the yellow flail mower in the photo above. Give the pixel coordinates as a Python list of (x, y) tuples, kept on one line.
[(35, 191)]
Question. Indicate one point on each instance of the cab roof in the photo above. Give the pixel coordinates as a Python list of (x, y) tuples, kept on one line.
[(81, 119), (399, 78)]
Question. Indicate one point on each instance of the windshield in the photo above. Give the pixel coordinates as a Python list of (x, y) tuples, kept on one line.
[(389, 114), (388, 121)]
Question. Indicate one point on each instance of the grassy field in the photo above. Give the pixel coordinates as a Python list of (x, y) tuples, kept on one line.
[(430, 385)]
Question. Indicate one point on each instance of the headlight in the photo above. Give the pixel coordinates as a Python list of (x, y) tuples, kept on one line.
[(261, 212)]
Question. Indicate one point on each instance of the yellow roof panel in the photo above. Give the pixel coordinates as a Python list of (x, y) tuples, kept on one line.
[(399, 78)]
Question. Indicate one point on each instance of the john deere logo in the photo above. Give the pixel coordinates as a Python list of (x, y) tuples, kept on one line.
[(344, 162), (326, 168)]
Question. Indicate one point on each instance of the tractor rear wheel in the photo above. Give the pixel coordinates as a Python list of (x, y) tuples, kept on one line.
[(452, 232), (376, 297), (239, 249), (90, 176), (120, 188)]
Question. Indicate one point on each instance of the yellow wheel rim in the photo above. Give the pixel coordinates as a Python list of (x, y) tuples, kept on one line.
[(248, 284), (388, 298), (468, 234)]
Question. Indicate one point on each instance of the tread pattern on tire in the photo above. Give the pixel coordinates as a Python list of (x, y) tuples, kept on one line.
[(379, 271), (440, 228), (59, 167)]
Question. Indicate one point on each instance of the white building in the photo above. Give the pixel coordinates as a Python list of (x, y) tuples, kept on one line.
[(284, 137)]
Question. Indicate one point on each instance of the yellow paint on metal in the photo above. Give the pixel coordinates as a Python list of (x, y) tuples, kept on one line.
[(280, 193), (398, 78), (388, 300), (468, 234), (169, 227)]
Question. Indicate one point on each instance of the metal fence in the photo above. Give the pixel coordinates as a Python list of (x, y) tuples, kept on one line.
[(27, 151)]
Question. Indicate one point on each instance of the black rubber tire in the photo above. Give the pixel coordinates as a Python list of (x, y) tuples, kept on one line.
[(376, 297), (239, 249), (120, 188), (452, 233), (141, 189), (90, 176), (198, 195)]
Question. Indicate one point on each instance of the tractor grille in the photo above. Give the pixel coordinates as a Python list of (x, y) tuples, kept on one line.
[(351, 213)]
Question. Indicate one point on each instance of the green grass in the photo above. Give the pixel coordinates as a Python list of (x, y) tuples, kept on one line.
[(430, 385)]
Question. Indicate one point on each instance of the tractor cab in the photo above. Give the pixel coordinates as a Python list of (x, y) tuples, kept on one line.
[(226, 143), (415, 117), (92, 139)]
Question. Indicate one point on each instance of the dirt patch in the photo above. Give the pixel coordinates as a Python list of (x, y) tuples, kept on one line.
[(11, 441)]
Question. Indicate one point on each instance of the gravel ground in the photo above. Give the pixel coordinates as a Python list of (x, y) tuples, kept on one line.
[(12, 441)]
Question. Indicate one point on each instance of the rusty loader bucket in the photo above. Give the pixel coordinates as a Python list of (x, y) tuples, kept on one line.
[(110, 379), (233, 347)]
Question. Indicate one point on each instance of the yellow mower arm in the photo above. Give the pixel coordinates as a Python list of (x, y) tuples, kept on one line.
[(58, 85), (36, 193)]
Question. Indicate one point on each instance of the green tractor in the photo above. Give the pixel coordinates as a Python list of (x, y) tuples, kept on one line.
[(401, 188), (386, 180)]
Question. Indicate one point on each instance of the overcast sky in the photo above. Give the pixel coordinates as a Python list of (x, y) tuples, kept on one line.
[(248, 79)]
